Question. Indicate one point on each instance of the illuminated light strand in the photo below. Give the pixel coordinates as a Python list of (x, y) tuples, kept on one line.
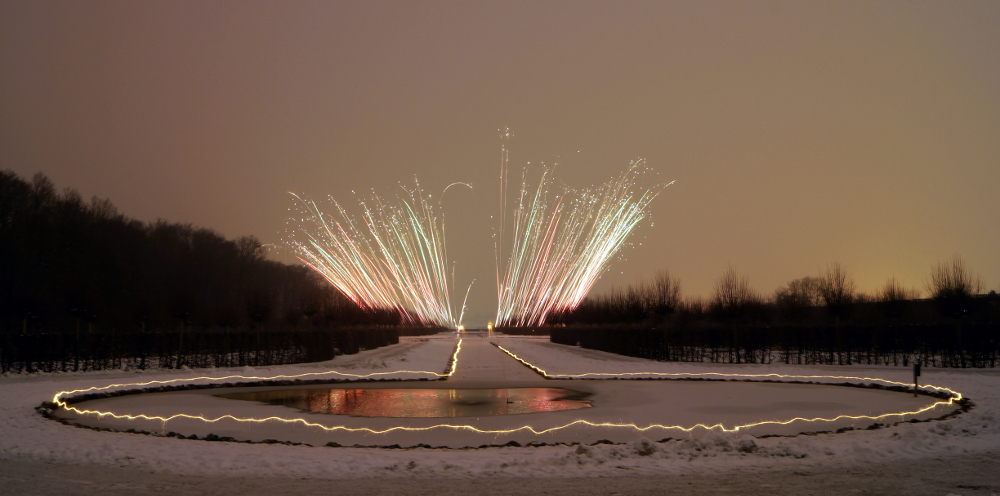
[(527, 428), (955, 395), (394, 259), (561, 246), (454, 359), (59, 397)]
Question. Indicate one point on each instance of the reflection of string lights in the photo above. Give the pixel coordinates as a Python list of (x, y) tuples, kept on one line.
[(953, 398)]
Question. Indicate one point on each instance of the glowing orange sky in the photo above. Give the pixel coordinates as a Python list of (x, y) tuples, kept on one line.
[(799, 133)]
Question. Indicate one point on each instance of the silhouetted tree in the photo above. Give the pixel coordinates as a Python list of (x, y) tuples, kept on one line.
[(838, 290), (794, 301), (732, 295), (82, 272), (664, 293), (650, 302), (953, 287), (733, 299), (893, 298)]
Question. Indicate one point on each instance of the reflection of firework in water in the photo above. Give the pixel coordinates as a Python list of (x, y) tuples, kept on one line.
[(561, 245), (394, 258)]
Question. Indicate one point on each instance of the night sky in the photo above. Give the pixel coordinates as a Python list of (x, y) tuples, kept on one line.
[(799, 134)]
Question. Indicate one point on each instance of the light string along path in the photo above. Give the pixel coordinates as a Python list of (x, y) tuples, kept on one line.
[(61, 397), (954, 397)]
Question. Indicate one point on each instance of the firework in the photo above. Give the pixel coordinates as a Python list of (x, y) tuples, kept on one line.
[(561, 243), (393, 258)]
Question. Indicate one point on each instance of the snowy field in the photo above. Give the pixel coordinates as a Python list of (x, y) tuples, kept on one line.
[(34, 450)]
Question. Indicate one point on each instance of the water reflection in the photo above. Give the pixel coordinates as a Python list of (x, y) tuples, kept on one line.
[(420, 402)]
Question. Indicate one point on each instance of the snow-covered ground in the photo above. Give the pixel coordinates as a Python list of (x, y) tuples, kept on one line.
[(622, 411), (26, 437)]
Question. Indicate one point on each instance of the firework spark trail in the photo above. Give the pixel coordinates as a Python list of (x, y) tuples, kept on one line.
[(393, 259), (562, 245)]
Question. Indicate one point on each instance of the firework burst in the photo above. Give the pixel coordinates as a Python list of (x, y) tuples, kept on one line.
[(393, 258), (561, 243)]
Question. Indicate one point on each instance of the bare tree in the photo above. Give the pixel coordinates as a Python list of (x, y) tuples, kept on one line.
[(102, 208), (893, 297), (801, 294), (732, 299), (666, 292), (953, 286), (695, 306), (732, 294), (249, 248), (893, 291), (837, 289)]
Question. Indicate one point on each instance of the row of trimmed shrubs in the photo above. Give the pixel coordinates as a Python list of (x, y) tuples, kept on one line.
[(942, 345), (173, 349)]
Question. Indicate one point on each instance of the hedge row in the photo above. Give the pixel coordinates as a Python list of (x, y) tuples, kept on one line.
[(942, 345), (174, 349)]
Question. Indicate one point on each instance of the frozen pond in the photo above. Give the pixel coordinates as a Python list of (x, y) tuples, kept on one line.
[(471, 408), (404, 403), (620, 411)]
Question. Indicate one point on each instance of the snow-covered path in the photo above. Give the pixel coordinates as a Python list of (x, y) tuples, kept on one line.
[(482, 365), (964, 475)]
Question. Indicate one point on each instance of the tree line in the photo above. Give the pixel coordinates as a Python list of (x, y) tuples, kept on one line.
[(84, 273), (822, 319)]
